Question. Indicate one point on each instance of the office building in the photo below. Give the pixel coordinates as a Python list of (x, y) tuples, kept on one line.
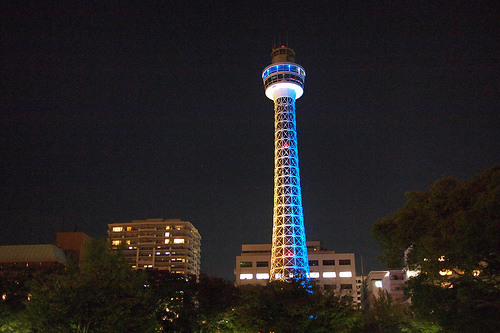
[(328, 270)]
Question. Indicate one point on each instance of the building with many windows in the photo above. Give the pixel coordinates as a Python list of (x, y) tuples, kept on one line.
[(328, 269), (164, 244)]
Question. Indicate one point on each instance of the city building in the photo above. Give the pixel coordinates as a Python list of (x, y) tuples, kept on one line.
[(391, 281), (72, 244), (163, 244), (284, 83), (32, 260), (328, 270)]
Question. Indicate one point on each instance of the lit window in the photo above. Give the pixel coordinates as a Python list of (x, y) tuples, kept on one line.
[(130, 247), (246, 276), (378, 284), (328, 275), (158, 253), (179, 241), (476, 272), (167, 234), (314, 275), (129, 228), (345, 274), (115, 242), (117, 229), (445, 272), (262, 276), (167, 227), (167, 241)]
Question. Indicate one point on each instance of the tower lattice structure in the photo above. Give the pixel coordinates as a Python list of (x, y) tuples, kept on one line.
[(284, 83)]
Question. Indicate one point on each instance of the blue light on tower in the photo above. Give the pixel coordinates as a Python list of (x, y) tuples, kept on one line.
[(284, 83)]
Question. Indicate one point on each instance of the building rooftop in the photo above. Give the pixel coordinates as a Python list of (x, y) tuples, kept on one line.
[(32, 253)]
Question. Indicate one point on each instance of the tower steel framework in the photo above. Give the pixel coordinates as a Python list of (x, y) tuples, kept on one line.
[(284, 83)]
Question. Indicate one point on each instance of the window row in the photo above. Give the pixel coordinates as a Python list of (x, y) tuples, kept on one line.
[(283, 68), (312, 263), (313, 275), (258, 264), (129, 228), (117, 242), (330, 262)]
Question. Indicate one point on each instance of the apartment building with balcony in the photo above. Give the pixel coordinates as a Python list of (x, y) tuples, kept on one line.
[(163, 244)]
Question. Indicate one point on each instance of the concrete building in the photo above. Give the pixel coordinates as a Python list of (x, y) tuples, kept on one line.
[(328, 269), (164, 244), (72, 244), (392, 281)]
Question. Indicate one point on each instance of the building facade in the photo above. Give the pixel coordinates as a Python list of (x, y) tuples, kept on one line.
[(163, 244), (72, 244), (392, 282), (328, 270)]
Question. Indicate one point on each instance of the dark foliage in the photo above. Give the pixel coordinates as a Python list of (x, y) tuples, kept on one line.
[(451, 236)]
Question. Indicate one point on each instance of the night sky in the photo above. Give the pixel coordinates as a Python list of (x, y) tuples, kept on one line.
[(132, 110)]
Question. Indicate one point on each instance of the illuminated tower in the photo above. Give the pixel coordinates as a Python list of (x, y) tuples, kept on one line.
[(284, 83)]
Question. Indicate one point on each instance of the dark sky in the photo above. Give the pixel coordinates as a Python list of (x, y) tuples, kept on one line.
[(133, 110)]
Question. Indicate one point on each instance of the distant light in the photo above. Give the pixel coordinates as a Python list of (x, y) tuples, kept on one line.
[(378, 284), (445, 272)]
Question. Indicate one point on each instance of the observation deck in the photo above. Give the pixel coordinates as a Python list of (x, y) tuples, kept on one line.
[(283, 78)]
